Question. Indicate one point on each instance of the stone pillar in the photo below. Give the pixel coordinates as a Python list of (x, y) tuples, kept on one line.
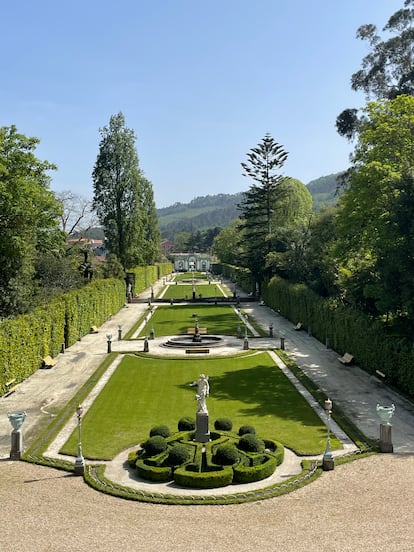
[(16, 444), (202, 434), (385, 443), (146, 345)]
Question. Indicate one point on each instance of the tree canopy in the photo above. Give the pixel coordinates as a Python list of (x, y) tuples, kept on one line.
[(123, 197), (388, 69), (29, 218)]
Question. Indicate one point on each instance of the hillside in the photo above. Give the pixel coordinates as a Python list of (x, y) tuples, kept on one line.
[(201, 213), (219, 210)]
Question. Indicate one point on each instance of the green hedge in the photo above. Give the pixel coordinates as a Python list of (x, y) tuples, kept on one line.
[(263, 467), (347, 330), (241, 276), (219, 477), (27, 339)]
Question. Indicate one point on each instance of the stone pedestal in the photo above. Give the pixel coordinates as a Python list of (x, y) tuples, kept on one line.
[(146, 345), (16, 445), (328, 464), (202, 434), (385, 442)]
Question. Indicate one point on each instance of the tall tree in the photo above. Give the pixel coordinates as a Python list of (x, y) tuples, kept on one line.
[(375, 229), (29, 219), (388, 69), (121, 193), (258, 203)]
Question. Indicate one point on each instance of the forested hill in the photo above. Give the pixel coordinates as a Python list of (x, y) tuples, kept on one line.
[(219, 210), (201, 213), (323, 191)]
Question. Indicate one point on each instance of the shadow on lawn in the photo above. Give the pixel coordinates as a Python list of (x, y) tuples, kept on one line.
[(267, 391)]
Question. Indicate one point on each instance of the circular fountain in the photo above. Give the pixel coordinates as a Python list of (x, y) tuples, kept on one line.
[(194, 339)]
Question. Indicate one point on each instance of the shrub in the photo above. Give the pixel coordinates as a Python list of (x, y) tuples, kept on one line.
[(246, 429), (226, 455), (162, 430), (155, 445), (223, 424), (186, 424), (179, 454), (251, 443)]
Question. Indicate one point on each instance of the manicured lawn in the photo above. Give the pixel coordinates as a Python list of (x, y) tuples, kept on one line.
[(189, 276), (176, 319), (185, 291), (145, 392)]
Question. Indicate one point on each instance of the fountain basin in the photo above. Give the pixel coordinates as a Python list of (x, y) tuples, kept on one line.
[(187, 341)]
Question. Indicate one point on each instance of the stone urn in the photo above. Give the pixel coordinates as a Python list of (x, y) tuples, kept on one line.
[(385, 413), (16, 419)]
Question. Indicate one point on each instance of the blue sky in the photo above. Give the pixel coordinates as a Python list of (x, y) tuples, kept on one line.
[(199, 82)]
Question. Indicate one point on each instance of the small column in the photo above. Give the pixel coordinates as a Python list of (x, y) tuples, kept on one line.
[(202, 434), (385, 442)]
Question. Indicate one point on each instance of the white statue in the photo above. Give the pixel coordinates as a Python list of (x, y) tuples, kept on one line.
[(203, 391)]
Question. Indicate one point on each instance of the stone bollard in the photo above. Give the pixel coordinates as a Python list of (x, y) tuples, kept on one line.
[(246, 344), (146, 345)]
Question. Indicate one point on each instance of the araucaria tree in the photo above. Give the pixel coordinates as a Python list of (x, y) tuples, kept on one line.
[(123, 197), (258, 203)]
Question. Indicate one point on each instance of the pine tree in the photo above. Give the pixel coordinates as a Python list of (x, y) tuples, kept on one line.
[(258, 203)]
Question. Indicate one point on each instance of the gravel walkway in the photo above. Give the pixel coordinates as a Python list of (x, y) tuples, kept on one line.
[(366, 505)]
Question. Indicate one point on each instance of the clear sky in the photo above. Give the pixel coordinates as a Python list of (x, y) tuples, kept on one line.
[(200, 82)]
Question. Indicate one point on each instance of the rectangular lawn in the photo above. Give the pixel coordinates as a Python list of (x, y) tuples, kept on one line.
[(146, 392), (176, 319), (185, 291)]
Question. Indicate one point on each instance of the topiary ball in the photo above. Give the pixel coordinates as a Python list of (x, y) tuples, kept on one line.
[(179, 454), (226, 455), (186, 424), (155, 445), (223, 424), (246, 429), (251, 443), (162, 430)]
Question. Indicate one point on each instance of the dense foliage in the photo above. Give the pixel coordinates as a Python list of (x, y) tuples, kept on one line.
[(29, 220), (123, 197)]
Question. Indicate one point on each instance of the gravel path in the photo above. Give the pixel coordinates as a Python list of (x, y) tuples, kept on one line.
[(366, 505)]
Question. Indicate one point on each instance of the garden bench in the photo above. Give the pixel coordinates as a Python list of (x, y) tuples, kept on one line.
[(346, 359), (10, 387), (94, 330), (197, 350), (379, 377), (202, 331), (48, 362), (298, 326)]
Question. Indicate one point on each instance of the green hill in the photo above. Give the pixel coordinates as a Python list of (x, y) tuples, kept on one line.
[(219, 210)]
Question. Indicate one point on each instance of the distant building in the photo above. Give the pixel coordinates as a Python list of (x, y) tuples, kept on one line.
[(184, 262)]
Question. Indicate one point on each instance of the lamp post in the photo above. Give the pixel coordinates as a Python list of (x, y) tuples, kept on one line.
[(328, 459), (119, 332), (109, 342), (80, 461)]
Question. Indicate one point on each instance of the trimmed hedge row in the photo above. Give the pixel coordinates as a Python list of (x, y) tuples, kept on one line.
[(241, 276), (27, 339), (146, 275), (347, 330)]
